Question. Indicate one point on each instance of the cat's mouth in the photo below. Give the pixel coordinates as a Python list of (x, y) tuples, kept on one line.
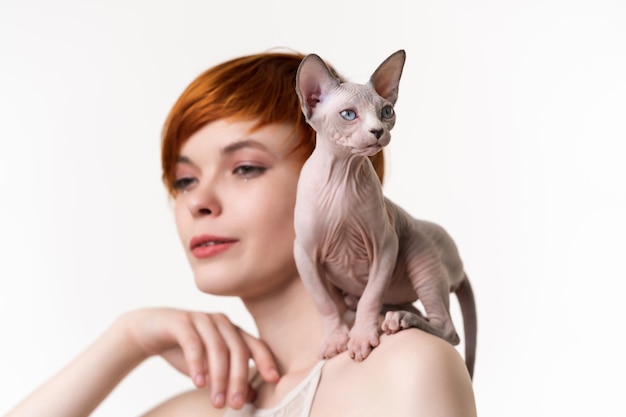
[(368, 150)]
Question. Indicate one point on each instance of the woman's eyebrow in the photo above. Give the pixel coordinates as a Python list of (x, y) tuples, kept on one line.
[(183, 160), (229, 149), (247, 143)]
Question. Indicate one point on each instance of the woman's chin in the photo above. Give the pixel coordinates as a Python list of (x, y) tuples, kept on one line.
[(215, 281)]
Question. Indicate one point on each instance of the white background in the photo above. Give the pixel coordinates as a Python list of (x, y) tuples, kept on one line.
[(510, 132)]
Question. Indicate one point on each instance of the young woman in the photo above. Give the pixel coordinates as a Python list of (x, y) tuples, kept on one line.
[(233, 146)]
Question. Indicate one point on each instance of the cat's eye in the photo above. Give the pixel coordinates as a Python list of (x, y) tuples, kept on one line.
[(348, 114), (387, 112)]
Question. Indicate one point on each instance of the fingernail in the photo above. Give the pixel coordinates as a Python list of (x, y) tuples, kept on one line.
[(273, 374), (218, 400), (199, 380), (237, 400)]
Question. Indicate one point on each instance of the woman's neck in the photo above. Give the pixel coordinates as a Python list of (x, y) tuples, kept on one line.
[(288, 321)]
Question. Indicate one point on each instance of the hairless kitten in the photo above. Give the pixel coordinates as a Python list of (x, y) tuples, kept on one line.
[(350, 237)]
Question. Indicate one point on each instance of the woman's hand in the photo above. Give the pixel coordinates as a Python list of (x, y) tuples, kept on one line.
[(206, 347)]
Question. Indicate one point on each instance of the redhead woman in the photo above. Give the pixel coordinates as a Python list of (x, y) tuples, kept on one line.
[(232, 150)]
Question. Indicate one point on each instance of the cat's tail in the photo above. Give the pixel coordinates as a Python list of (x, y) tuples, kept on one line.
[(465, 296)]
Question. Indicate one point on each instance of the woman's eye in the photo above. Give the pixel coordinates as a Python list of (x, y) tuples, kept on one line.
[(182, 183), (348, 114), (249, 171)]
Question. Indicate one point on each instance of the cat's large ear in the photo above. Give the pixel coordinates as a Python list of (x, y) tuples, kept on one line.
[(386, 78), (313, 81)]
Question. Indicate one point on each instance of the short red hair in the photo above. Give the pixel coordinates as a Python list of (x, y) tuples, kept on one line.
[(255, 87)]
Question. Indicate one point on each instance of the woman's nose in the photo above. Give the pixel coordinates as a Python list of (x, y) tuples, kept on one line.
[(203, 201)]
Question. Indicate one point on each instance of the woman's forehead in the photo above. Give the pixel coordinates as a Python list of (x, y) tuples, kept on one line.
[(226, 135)]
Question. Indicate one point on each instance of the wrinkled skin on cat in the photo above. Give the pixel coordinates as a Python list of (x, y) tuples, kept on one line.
[(350, 235)]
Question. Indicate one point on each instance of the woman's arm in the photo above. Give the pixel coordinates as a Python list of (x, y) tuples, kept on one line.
[(78, 388), (206, 347)]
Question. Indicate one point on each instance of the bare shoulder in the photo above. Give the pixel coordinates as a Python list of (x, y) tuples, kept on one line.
[(195, 402), (426, 372), (410, 373), (420, 355)]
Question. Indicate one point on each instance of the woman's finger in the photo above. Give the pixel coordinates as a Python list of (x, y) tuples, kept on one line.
[(176, 358), (238, 378), (193, 349), (218, 356), (262, 356)]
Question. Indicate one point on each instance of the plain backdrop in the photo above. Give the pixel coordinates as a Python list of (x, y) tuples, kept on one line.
[(510, 134)]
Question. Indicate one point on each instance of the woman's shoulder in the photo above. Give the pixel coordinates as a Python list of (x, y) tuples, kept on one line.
[(409, 373), (195, 402), (411, 354), (414, 350)]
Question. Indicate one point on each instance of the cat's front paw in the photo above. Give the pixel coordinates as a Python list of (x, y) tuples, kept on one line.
[(334, 343), (362, 340)]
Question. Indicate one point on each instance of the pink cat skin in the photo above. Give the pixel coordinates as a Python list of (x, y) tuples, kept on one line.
[(350, 236)]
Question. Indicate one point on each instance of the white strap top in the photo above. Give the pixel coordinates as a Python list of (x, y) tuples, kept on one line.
[(297, 403)]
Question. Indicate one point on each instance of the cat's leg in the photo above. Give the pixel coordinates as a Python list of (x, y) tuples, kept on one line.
[(351, 301), (335, 329), (431, 283), (364, 335)]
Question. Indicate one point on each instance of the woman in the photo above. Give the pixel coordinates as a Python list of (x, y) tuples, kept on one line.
[(233, 146)]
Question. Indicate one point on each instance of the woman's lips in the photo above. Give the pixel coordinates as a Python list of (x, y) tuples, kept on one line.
[(206, 246)]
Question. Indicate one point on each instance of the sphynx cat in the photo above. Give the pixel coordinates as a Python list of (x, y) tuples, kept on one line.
[(349, 236)]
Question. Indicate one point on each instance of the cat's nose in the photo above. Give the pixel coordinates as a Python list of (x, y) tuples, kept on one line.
[(377, 132)]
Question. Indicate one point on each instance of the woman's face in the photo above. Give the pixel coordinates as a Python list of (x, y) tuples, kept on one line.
[(234, 206)]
